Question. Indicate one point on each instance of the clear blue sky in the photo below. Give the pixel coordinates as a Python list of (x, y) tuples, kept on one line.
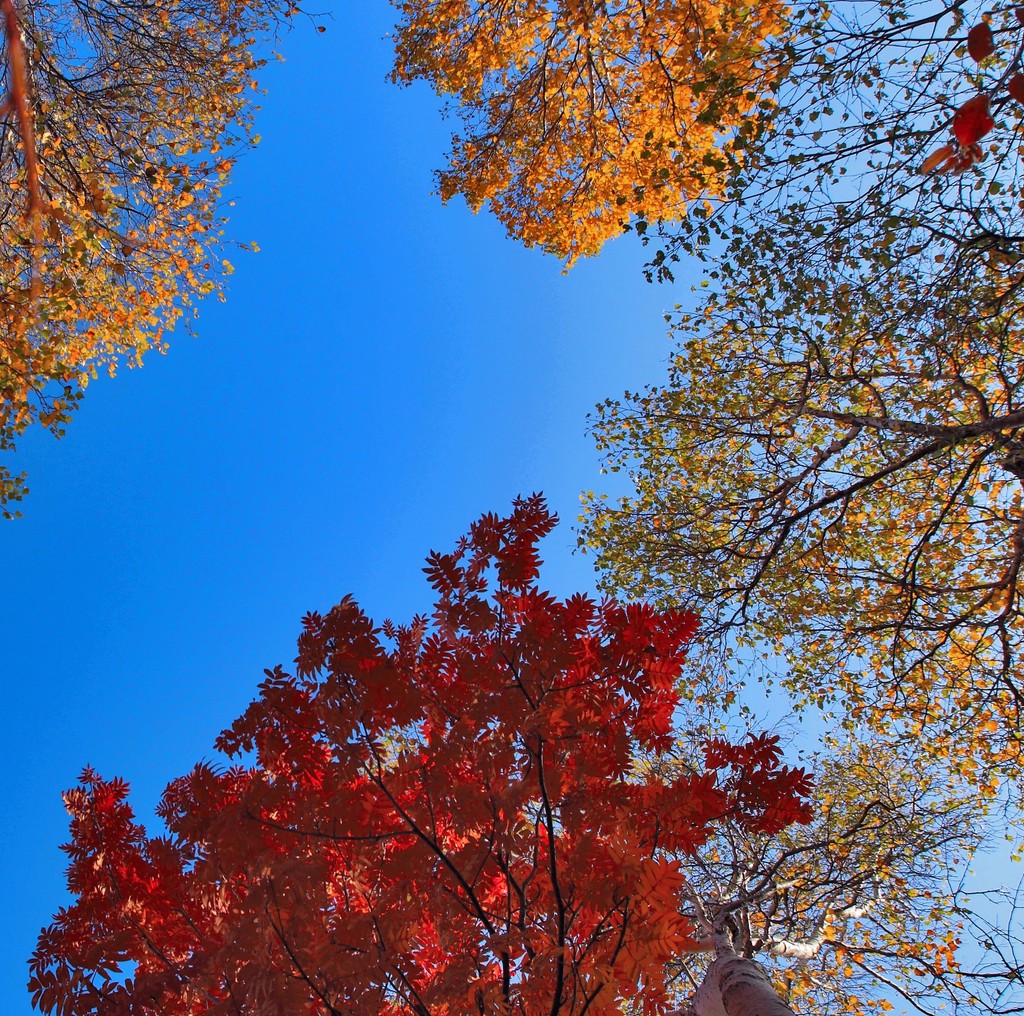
[(383, 372)]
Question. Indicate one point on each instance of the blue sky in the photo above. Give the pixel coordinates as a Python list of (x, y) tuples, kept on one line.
[(383, 372)]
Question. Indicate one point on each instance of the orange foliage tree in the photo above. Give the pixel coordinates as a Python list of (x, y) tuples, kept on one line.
[(120, 128), (470, 813), (578, 113)]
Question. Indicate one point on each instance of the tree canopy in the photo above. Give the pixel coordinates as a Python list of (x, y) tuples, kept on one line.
[(831, 472), (837, 475), (509, 806), (468, 813), (121, 128), (831, 468), (577, 115)]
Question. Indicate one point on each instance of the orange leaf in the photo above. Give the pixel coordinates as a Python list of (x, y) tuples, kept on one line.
[(980, 43), (937, 157), (972, 121)]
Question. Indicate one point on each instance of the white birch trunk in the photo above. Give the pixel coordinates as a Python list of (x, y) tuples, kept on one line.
[(736, 986)]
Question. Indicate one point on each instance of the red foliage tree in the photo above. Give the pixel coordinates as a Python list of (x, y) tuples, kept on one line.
[(466, 814)]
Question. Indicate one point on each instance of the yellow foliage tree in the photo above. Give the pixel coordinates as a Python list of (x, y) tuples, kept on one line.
[(859, 908), (578, 113), (836, 473), (833, 468), (122, 125)]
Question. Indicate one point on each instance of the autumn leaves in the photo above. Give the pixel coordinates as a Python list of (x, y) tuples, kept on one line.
[(477, 814), (826, 463), (119, 135), (973, 120), (578, 117), (500, 811)]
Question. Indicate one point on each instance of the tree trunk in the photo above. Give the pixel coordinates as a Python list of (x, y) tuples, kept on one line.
[(736, 986)]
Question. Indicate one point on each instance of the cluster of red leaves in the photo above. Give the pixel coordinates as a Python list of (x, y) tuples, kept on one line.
[(470, 813), (973, 120)]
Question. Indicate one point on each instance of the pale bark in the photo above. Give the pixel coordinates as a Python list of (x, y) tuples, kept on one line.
[(808, 948), (736, 986), (804, 950)]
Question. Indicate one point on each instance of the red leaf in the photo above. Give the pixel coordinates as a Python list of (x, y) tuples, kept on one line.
[(1015, 87), (1019, 11), (980, 43), (972, 121)]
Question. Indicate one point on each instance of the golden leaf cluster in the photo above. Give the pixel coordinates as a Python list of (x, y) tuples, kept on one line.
[(110, 216), (578, 114)]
